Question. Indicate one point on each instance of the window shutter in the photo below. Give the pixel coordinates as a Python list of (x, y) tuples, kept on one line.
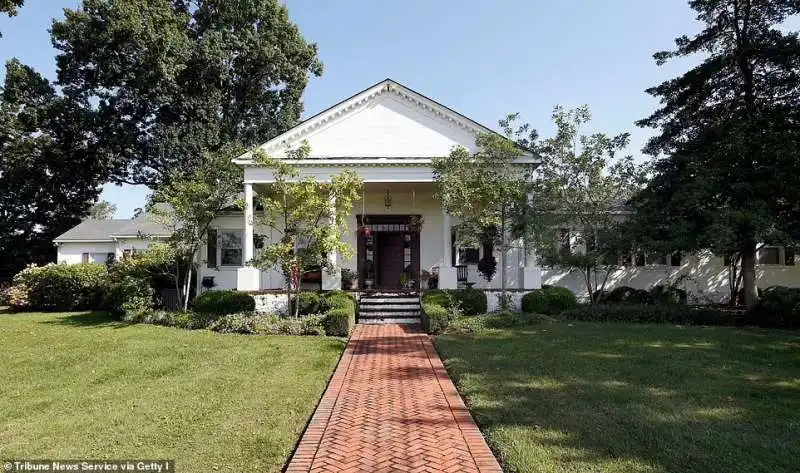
[(85, 258), (452, 248), (211, 246)]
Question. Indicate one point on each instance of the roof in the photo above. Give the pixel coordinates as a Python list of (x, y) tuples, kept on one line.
[(298, 133), (107, 230), (93, 230)]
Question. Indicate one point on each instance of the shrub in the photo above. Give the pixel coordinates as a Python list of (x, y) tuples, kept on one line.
[(309, 303), (663, 294), (326, 298), (514, 319), (314, 325), (243, 322), (339, 322), (58, 287), (550, 300), (122, 292), (626, 295), (224, 302), (776, 308), (472, 301), (673, 314), (435, 318)]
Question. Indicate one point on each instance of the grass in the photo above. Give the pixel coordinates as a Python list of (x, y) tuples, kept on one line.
[(85, 386), (588, 397)]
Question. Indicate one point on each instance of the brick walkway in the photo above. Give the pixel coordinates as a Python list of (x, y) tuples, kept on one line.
[(390, 406)]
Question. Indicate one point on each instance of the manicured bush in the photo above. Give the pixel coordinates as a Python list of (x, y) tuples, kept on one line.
[(626, 295), (550, 300), (339, 322), (776, 308), (123, 294), (224, 302), (309, 303), (435, 318), (663, 294), (673, 314), (58, 287), (472, 301)]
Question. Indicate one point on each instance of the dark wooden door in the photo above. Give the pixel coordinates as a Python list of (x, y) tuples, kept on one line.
[(390, 260)]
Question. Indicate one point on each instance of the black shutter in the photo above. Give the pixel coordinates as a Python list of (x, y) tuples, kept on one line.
[(211, 254)]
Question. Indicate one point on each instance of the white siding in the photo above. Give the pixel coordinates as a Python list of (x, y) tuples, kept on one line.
[(72, 252)]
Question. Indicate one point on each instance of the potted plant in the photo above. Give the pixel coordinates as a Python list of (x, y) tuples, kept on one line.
[(403, 280), (349, 279), (415, 223), (367, 272), (424, 277)]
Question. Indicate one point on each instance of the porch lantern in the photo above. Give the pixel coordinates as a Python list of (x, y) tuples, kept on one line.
[(387, 199)]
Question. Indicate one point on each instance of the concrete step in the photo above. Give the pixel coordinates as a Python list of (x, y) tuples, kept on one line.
[(388, 306), (390, 313), (371, 321), (389, 300)]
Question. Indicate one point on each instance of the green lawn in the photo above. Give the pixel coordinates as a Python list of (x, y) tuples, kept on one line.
[(82, 386), (633, 398)]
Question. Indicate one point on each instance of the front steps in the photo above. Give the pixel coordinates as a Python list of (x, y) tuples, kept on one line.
[(389, 308)]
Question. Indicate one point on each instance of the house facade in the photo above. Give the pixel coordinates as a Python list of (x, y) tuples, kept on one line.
[(389, 134)]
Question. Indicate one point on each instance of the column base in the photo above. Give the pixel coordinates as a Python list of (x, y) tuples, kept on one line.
[(248, 279), (332, 281), (532, 277), (448, 278)]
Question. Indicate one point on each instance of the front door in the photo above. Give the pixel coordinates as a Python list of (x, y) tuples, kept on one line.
[(390, 259)]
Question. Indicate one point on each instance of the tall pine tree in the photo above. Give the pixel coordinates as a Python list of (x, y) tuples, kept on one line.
[(727, 169)]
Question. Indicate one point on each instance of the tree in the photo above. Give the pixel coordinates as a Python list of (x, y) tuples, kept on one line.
[(728, 147), (174, 79), (308, 216), (486, 190), (49, 175), (188, 202), (102, 210), (9, 7), (580, 196)]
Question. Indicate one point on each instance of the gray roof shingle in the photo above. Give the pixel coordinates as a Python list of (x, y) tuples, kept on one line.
[(93, 230)]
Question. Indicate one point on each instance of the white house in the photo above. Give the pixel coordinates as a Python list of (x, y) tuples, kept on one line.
[(389, 134), (97, 241)]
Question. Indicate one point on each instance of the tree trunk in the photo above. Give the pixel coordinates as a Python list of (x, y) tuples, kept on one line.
[(749, 276), (187, 288), (503, 244)]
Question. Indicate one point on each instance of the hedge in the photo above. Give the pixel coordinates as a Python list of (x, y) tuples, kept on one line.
[(673, 314), (310, 303), (778, 307), (435, 318), (224, 302), (341, 318), (662, 294), (472, 301), (549, 300), (61, 287), (625, 295)]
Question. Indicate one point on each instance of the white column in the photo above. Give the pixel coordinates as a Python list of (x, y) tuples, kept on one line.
[(531, 273), (448, 279), (332, 278), (248, 278)]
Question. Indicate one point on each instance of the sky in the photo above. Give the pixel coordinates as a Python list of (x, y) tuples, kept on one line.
[(485, 59)]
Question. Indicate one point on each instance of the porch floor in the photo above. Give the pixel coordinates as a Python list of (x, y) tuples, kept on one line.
[(390, 406)]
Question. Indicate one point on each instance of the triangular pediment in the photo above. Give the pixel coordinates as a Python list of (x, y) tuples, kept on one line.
[(387, 120)]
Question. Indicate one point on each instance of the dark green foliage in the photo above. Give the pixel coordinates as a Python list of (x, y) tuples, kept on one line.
[(435, 318), (487, 266), (62, 287), (662, 294), (552, 300), (193, 77), (123, 291), (778, 307), (224, 302), (310, 303), (626, 295), (673, 314), (728, 146), (339, 322), (471, 301), (327, 296), (49, 175)]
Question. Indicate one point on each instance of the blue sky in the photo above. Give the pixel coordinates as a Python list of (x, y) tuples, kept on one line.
[(484, 59)]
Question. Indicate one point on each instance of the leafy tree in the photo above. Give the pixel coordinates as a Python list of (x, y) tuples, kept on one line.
[(9, 7), (49, 175), (580, 194), (728, 146), (188, 202), (102, 210), (174, 79), (308, 216), (486, 190)]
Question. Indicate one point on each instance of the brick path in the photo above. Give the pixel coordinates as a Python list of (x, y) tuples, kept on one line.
[(390, 406)]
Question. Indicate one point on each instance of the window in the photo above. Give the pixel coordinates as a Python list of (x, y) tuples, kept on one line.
[(564, 247), (84, 258), (468, 256), (788, 256), (656, 259), (675, 259), (639, 258), (769, 255), (230, 248)]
